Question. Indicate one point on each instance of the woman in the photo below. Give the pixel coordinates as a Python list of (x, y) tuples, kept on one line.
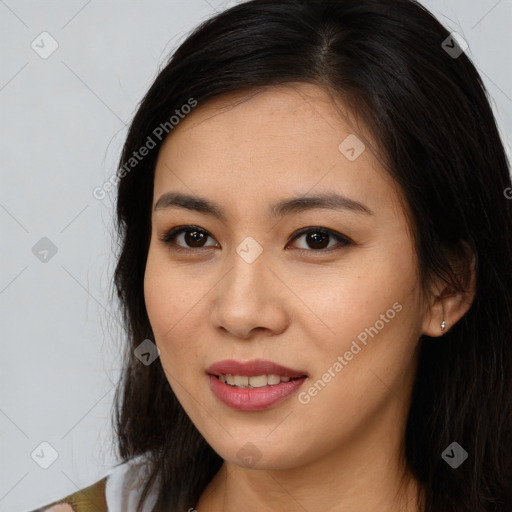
[(314, 271)]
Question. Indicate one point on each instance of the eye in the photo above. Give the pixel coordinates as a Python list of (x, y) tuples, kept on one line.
[(193, 236), (318, 239)]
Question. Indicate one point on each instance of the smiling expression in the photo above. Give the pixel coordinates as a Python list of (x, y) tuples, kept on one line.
[(269, 243)]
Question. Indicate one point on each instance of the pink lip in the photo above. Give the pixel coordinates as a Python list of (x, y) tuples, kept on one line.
[(255, 399), (252, 368)]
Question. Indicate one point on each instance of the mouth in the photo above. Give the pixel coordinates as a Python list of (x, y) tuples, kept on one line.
[(253, 385)]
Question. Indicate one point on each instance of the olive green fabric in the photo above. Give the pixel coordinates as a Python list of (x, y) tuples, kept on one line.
[(89, 499)]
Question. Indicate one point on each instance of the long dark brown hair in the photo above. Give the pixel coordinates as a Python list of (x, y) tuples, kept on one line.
[(430, 114)]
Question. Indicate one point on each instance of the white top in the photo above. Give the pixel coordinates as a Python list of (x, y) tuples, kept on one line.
[(124, 486)]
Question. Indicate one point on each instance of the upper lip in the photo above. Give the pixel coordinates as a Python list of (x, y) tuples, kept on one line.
[(252, 368)]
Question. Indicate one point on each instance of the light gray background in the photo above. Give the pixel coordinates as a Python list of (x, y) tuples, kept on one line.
[(63, 120)]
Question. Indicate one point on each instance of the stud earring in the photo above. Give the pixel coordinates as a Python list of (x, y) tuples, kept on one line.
[(443, 325)]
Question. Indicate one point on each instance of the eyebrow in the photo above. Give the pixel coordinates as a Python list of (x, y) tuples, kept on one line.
[(331, 201)]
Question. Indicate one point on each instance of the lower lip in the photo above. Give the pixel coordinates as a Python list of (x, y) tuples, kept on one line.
[(253, 399)]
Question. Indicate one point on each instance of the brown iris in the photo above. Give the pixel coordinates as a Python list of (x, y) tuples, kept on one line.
[(315, 239), (195, 237)]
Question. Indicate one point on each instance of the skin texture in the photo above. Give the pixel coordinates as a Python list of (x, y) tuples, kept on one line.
[(301, 309)]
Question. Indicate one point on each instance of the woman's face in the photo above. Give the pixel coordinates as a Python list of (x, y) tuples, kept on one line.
[(247, 281)]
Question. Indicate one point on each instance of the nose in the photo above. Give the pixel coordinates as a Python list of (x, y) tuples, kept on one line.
[(249, 300)]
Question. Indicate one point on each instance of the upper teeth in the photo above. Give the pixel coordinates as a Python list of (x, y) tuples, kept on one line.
[(258, 381)]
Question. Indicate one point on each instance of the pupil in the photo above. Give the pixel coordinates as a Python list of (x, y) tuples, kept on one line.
[(314, 237), (194, 238)]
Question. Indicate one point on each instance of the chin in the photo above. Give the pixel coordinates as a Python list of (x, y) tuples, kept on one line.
[(258, 452)]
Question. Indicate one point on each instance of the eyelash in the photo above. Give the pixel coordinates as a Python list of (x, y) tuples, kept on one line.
[(343, 241)]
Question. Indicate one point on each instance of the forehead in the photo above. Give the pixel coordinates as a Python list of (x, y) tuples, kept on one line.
[(292, 136), (285, 114)]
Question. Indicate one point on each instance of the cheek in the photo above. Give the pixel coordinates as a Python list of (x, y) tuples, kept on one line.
[(374, 315), (174, 311), (373, 311), (157, 298), (166, 295)]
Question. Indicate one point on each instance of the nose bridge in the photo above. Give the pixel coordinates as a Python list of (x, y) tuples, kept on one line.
[(248, 268), (246, 298)]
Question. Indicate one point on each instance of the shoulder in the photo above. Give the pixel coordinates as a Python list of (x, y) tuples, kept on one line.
[(89, 499), (118, 491)]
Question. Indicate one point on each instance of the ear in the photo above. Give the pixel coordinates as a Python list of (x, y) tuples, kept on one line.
[(445, 302)]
